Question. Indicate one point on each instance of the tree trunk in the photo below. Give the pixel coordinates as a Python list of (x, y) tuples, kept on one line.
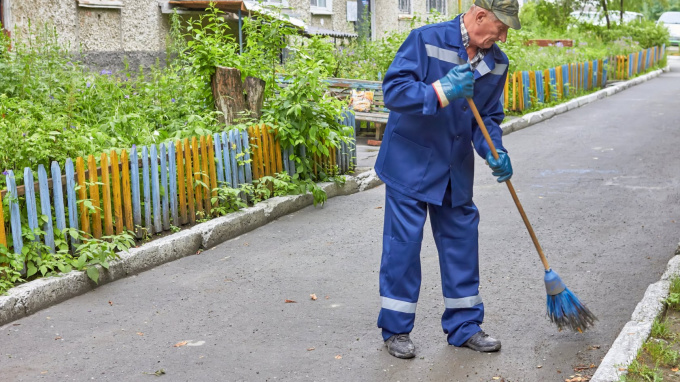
[(621, 11), (255, 95), (227, 90), (606, 13)]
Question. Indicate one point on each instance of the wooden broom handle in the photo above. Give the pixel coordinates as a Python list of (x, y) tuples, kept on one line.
[(480, 122)]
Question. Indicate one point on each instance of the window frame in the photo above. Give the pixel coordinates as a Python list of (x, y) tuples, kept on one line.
[(410, 8), (327, 10), (443, 3)]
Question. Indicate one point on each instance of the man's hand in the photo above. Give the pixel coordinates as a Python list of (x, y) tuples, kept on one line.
[(457, 83), (502, 169)]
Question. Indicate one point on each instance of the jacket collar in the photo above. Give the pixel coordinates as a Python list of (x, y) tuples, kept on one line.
[(454, 39)]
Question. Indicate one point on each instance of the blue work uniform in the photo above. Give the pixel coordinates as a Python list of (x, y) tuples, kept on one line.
[(426, 160)]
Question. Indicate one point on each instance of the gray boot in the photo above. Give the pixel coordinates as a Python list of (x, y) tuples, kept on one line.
[(401, 346), (481, 341)]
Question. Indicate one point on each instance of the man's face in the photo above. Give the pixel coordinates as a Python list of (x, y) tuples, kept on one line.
[(490, 30)]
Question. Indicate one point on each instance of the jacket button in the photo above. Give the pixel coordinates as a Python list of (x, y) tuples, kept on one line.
[(465, 107), (457, 137)]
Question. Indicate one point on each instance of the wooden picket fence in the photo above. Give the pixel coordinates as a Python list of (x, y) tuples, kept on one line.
[(525, 88), (152, 189)]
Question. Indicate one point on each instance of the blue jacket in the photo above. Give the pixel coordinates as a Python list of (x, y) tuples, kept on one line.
[(424, 145)]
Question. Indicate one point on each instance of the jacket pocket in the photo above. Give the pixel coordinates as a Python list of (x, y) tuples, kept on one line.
[(406, 162)]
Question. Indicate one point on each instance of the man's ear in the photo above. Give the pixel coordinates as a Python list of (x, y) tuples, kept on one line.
[(480, 15)]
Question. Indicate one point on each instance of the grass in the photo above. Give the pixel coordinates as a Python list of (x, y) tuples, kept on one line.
[(659, 358)]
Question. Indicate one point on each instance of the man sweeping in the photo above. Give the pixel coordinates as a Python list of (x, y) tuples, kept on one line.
[(427, 163)]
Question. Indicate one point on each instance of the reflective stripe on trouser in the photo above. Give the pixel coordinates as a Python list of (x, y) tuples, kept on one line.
[(455, 232)]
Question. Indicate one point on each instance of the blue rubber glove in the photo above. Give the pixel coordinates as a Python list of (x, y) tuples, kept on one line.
[(502, 168), (457, 83)]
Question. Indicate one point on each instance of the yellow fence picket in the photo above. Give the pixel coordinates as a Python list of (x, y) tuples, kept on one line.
[(127, 191), (198, 192), (106, 196), (94, 196), (117, 200), (180, 183), (82, 196)]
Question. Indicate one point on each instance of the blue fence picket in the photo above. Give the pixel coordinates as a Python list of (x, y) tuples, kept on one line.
[(232, 156), (540, 93), (46, 207), (173, 183), (525, 89), (236, 136), (553, 84), (246, 152), (595, 69), (639, 61), (71, 199), (155, 189), (218, 157), (226, 153), (31, 211), (134, 184), (566, 75), (14, 213), (59, 213), (147, 190), (164, 189)]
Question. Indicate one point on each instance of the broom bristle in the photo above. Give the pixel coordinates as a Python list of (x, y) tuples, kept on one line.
[(567, 311)]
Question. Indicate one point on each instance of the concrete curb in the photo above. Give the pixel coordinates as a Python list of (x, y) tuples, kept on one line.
[(39, 294), (549, 112), (637, 330), (33, 296)]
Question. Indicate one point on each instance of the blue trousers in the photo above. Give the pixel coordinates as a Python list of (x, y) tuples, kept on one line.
[(455, 233)]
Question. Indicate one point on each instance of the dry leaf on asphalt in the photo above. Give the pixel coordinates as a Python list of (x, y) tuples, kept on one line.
[(140, 333), (111, 303), (312, 296), (289, 301), (593, 347), (539, 366), (377, 208), (310, 349), (583, 367), (338, 356), (578, 378), (180, 344), (327, 297), (57, 338)]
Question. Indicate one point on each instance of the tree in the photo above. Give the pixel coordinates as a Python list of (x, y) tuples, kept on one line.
[(621, 13), (606, 14)]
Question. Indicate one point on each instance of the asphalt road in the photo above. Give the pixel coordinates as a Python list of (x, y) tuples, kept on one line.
[(601, 186)]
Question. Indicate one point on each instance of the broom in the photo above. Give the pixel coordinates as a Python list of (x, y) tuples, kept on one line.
[(563, 307)]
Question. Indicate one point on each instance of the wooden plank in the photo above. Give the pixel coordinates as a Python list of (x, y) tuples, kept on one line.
[(277, 151), (146, 183), (136, 192), (232, 157), (117, 197), (255, 147), (45, 208), (3, 237), (226, 153), (236, 137), (155, 189), (59, 212), (164, 189), (106, 196), (246, 150), (14, 214), (94, 197), (190, 182), (205, 175), (181, 181), (506, 89), (266, 156), (128, 193), (213, 171), (71, 198), (173, 184), (31, 210), (198, 191), (217, 145), (82, 196), (514, 91)]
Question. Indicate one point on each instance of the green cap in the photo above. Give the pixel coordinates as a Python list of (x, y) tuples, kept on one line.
[(507, 11)]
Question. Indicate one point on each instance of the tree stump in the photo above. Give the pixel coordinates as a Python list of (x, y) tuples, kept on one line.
[(230, 98)]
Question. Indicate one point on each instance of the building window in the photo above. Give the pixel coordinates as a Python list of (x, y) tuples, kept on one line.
[(437, 5), (405, 7), (321, 7)]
